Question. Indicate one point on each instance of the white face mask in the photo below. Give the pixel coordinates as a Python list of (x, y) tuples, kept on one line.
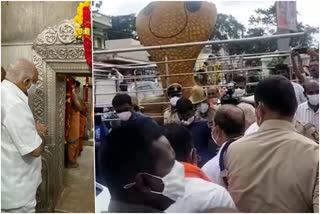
[(32, 89), (124, 116), (203, 108), (214, 139), (173, 182), (313, 99), (238, 92), (174, 100), (188, 122)]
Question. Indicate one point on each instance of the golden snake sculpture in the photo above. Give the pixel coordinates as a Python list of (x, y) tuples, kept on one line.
[(172, 22)]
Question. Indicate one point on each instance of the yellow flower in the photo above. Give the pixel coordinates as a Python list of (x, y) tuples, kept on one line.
[(80, 8), (78, 19), (79, 31), (77, 25), (87, 3)]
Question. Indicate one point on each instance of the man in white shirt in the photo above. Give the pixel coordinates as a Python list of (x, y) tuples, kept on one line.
[(249, 113), (308, 112), (201, 195), (252, 128), (21, 145), (229, 125), (283, 69)]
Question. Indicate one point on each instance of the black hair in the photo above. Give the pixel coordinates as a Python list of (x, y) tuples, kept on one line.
[(123, 86), (128, 150), (184, 105), (277, 93), (121, 99), (180, 139), (231, 119)]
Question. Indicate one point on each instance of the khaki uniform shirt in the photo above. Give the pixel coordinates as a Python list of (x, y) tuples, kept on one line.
[(274, 170), (170, 117)]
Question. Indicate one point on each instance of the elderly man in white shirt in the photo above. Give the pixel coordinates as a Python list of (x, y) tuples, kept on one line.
[(229, 124), (308, 112), (21, 144)]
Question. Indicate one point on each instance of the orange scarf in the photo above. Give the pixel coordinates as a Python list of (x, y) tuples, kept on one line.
[(192, 171)]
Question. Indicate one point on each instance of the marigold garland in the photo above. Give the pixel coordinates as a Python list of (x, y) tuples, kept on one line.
[(82, 28)]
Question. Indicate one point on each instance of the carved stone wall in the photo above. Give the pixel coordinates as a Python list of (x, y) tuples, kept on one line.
[(56, 53)]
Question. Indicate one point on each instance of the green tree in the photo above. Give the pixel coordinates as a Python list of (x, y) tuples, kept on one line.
[(122, 27), (227, 27), (267, 19)]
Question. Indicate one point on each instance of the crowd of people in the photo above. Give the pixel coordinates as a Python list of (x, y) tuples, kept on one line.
[(216, 151)]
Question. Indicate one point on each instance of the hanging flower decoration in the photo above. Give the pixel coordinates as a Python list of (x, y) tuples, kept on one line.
[(82, 28), (68, 104)]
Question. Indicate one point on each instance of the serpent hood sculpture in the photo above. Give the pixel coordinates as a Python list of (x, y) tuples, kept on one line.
[(170, 22)]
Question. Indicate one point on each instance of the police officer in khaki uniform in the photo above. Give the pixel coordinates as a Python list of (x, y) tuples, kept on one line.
[(174, 93), (200, 101)]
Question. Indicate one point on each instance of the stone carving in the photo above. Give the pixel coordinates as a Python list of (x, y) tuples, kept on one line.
[(55, 51), (62, 34), (74, 52)]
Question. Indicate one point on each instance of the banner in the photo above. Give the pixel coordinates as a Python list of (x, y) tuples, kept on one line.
[(287, 15)]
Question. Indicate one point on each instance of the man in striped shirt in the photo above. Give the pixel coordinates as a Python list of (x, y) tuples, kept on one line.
[(308, 112)]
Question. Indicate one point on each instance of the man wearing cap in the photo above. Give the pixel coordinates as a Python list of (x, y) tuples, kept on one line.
[(213, 97), (174, 93), (199, 100)]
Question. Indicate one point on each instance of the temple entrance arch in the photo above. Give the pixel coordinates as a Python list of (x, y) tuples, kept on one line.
[(56, 54)]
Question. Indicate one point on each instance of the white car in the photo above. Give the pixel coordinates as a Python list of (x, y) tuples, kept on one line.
[(145, 88), (102, 198)]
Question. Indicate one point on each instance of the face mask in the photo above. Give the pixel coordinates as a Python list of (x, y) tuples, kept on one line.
[(32, 89), (174, 100), (203, 108), (313, 99), (124, 116), (173, 182), (188, 122), (238, 92)]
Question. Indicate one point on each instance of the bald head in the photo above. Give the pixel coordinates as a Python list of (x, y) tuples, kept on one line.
[(249, 112), (231, 120), (22, 73), (21, 69)]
